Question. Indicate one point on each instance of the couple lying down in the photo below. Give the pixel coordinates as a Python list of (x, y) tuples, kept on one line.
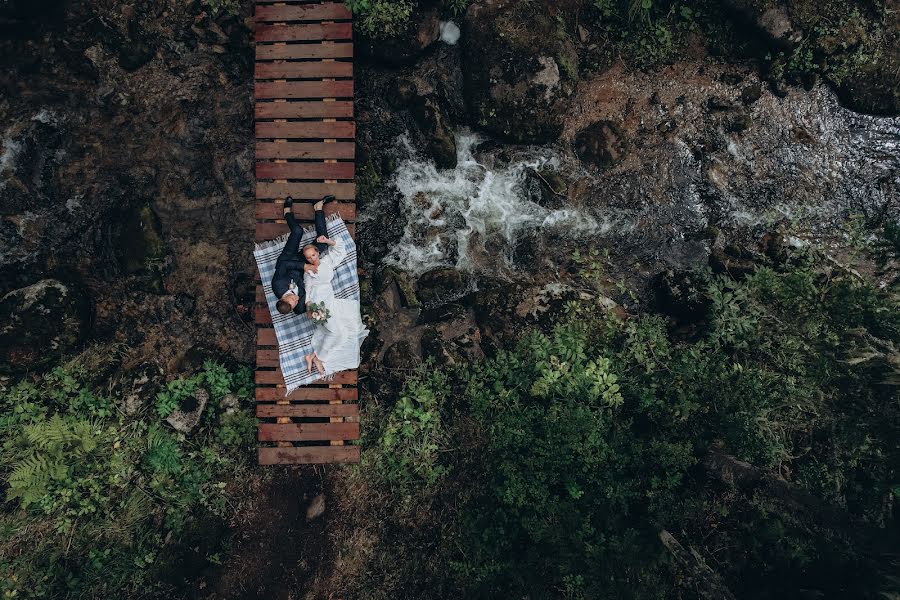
[(304, 277)]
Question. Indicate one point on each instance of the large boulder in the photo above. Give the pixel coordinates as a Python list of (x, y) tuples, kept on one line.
[(440, 286), (520, 70), (41, 323), (770, 19)]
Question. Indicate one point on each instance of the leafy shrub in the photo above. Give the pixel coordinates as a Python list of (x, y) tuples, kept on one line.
[(381, 19), (586, 441), (227, 7), (412, 437), (96, 501)]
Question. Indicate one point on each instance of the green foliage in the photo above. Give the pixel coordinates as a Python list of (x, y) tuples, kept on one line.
[(227, 7), (96, 501), (586, 440), (412, 438), (381, 19)]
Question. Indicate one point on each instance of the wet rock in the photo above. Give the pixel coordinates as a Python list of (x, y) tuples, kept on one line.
[(41, 323), (439, 139), (602, 144), (551, 188), (137, 389), (718, 103), (400, 356), (520, 70), (771, 20), (421, 31), (751, 93), (682, 294), (185, 419), (440, 286), (316, 508)]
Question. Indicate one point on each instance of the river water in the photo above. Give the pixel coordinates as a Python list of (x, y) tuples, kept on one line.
[(805, 165)]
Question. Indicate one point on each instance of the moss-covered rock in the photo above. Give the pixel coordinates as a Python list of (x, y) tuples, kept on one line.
[(520, 69), (40, 324)]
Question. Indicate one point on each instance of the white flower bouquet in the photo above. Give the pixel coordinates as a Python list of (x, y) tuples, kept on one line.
[(318, 313)]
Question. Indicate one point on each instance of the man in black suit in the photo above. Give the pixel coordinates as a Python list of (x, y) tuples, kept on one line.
[(287, 283)]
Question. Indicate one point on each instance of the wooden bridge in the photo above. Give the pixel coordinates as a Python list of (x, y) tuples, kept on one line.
[(304, 148)]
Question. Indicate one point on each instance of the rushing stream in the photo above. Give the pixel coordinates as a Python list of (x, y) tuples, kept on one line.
[(472, 216), (805, 164)]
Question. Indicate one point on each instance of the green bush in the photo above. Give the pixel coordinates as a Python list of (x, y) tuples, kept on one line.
[(587, 440), (381, 19), (227, 7), (100, 504)]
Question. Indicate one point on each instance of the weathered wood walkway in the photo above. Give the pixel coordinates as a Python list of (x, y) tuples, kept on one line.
[(304, 148)]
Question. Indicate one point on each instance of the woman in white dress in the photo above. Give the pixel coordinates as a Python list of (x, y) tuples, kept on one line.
[(336, 343)]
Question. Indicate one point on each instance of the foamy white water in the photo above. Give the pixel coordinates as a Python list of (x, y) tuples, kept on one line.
[(470, 217)]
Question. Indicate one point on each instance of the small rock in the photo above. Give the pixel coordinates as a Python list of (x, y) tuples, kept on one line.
[(434, 346), (737, 122), (316, 508), (717, 103), (602, 144), (751, 93), (439, 136), (583, 34), (185, 421), (230, 403)]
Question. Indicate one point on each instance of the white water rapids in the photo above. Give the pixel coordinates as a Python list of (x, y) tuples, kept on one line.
[(459, 217)]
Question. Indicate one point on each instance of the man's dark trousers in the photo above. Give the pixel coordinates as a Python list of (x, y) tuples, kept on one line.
[(290, 263)]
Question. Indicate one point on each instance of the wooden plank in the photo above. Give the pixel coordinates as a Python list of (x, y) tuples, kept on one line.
[(304, 89), (306, 129), (296, 109), (305, 191), (270, 231), (304, 211), (307, 393), (310, 12), (309, 455), (275, 377), (309, 32), (298, 51), (302, 411), (311, 150), (303, 70), (306, 432), (266, 337), (305, 170)]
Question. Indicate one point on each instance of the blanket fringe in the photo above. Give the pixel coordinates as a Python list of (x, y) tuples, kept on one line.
[(267, 245)]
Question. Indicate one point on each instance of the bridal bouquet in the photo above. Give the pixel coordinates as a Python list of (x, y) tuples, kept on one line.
[(318, 312)]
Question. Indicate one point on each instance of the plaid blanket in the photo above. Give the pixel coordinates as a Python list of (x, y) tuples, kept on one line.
[(294, 332)]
